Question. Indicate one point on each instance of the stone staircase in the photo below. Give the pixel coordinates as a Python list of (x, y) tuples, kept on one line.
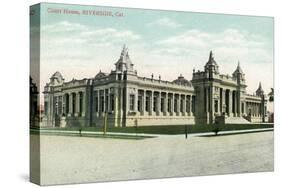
[(236, 120)]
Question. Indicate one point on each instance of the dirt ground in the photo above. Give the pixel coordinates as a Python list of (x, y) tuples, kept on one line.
[(66, 159)]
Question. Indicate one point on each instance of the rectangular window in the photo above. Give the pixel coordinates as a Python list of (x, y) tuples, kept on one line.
[(175, 105), (102, 103), (187, 106), (112, 102), (66, 103), (45, 107), (119, 76), (56, 105), (106, 103), (181, 105), (193, 104), (60, 105), (132, 102), (73, 102), (81, 102), (154, 104), (146, 103), (139, 103), (216, 106), (169, 104), (162, 104), (97, 104)]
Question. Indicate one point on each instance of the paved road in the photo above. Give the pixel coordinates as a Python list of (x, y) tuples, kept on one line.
[(77, 159)]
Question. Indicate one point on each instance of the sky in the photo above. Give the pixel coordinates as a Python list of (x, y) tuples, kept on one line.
[(166, 43)]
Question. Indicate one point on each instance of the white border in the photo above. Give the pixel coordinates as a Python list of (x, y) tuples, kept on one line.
[(14, 90)]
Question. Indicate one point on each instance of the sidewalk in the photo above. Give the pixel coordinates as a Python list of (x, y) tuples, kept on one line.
[(154, 135)]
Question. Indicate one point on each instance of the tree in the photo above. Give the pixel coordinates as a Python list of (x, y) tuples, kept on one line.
[(271, 95)]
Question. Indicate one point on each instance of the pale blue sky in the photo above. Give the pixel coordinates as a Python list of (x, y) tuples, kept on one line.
[(167, 43), (136, 19)]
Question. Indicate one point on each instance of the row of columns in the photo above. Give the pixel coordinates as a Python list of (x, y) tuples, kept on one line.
[(70, 104), (105, 100), (254, 109), (148, 102), (229, 101), (145, 102)]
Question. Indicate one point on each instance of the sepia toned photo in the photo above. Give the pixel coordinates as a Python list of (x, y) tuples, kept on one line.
[(128, 94)]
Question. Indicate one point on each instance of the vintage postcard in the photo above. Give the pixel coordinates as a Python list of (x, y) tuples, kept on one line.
[(128, 94)]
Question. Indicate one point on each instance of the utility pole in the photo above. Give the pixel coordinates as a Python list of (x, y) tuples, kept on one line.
[(104, 123)]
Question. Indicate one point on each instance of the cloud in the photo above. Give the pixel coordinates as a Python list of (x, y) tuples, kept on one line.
[(164, 22), (65, 41), (65, 33), (80, 51), (190, 49), (230, 45)]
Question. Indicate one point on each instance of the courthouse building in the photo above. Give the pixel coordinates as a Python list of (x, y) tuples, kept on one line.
[(128, 99)]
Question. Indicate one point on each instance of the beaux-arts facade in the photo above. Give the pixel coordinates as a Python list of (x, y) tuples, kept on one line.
[(131, 100)]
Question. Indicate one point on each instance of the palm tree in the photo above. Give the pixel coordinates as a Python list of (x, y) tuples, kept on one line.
[(271, 95), (271, 100)]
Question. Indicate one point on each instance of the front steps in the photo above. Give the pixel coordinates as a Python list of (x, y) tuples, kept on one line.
[(236, 120), (231, 120)]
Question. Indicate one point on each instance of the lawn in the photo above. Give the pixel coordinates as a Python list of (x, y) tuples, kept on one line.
[(168, 129)]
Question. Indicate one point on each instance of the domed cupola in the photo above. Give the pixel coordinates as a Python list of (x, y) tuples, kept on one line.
[(124, 63), (211, 66), (56, 79), (182, 81), (238, 73), (259, 91), (100, 75)]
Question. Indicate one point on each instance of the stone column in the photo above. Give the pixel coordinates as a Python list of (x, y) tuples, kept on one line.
[(151, 103), (206, 99), (246, 109), (230, 114), (253, 109), (158, 104), (70, 110), (165, 110), (184, 105), (104, 101), (62, 104), (83, 113), (98, 102), (172, 104), (108, 102), (143, 102), (136, 95), (239, 104), (223, 105), (234, 103), (190, 105), (77, 104), (211, 100), (259, 109), (219, 103), (121, 107), (188, 110), (178, 105), (256, 105), (116, 105)]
